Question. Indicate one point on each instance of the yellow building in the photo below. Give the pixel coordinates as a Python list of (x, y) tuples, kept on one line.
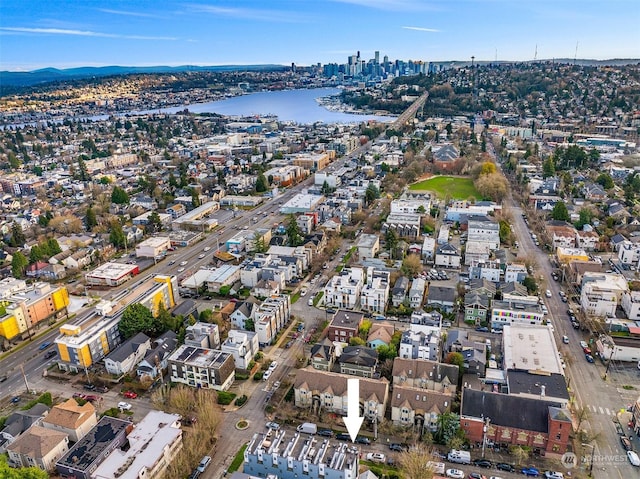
[(567, 255), (96, 334), (31, 306)]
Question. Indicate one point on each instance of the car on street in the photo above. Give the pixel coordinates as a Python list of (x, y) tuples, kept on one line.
[(325, 433), (276, 385), (475, 475), (583, 345), (486, 463), (553, 475), (633, 458), (565, 339), (200, 256), (273, 425), (266, 375), (363, 440), (172, 262), (589, 358), (130, 395), (50, 354), (183, 263), (15, 399), (207, 248), (495, 477), (124, 406), (273, 365), (343, 436), (180, 270), (303, 292), (397, 447), (547, 293), (3, 378), (455, 473), (503, 466), (530, 471), (376, 457), (44, 346), (626, 443), (89, 387)]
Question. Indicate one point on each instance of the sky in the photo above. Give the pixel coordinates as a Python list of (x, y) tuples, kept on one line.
[(71, 33)]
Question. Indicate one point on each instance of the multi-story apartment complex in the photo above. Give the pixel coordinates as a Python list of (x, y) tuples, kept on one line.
[(343, 290), (514, 312), (22, 307), (91, 337), (272, 315), (202, 367), (601, 293), (375, 294)]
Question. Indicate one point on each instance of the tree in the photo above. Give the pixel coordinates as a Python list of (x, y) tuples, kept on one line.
[(90, 220), (261, 183), (83, 175), (137, 318), (457, 359), (364, 328), (154, 224), (529, 282), (519, 452), (51, 247), (371, 194), (35, 254), (605, 180), (14, 162), (19, 263), (7, 472), (448, 428), (326, 189), (505, 231), (259, 245), (391, 240), (560, 212), (195, 198), (414, 463), (293, 232), (548, 168), (411, 265), (386, 352), (119, 196), (488, 168), (586, 215), (493, 186), (17, 238), (357, 341), (117, 236)]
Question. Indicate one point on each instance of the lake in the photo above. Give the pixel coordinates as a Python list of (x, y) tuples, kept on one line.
[(299, 106)]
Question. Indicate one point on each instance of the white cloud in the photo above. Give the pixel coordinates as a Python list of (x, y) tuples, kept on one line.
[(128, 13), (392, 5), (248, 13), (422, 29), (80, 33)]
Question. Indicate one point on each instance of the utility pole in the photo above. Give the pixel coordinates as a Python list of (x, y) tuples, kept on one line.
[(24, 377), (485, 428)]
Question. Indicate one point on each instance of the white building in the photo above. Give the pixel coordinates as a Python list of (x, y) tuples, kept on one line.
[(416, 293), (631, 304), (202, 367), (154, 247), (410, 205), (428, 248), (420, 345), (484, 231), (343, 290), (601, 293), (375, 293), (628, 252), (243, 345), (518, 313), (530, 348), (368, 246), (272, 315), (153, 444)]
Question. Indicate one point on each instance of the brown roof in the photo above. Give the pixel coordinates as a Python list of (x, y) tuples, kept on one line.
[(383, 332), (422, 401), (562, 230), (37, 442), (322, 381), (425, 369), (70, 414)]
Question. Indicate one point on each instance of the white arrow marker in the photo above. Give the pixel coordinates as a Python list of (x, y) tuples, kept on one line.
[(353, 421)]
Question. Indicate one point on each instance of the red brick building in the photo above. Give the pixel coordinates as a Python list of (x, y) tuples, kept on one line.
[(344, 325), (542, 425)]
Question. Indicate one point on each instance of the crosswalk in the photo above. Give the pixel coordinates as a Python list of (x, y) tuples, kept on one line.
[(601, 410)]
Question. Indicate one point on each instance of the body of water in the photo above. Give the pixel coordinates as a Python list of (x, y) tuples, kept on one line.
[(299, 106)]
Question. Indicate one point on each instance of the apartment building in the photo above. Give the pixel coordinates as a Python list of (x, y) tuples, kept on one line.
[(343, 290), (375, 293), (202, 368), (271, 316), (601, 293)]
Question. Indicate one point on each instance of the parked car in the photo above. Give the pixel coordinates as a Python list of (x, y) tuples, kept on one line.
[(15, 399), (363, 440), (89, 387), (397, 447), (124, 406), (204, 463), (626, 443), (325, 433), (273, 365), (547, 293), (343, 436), (475, 475), (50, 354), (130, 395), (553, 475), (565, 339), (455, 473), (589, 358), (530, 471), (276, 385), (486, 463), (273, 425), (376, 457), (503, 466)]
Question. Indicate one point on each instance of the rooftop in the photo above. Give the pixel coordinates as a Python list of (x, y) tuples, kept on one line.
[(346, 319), (199, 357), (530, 348)]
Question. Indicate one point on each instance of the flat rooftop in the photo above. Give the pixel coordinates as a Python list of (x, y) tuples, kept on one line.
[(199, 357), (112, 270), (530, 348), (154, 242)]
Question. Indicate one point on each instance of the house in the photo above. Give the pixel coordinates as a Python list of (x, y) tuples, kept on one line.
[(399, 291), (375, 293), (476, 308), (562, 234), (151, 447), (344, 325), (243, 311), (587, 240), (425, 374), (19, 421), (38, 447), (594, 192), (368, 246), (243, 345), (448, 256), (416, 293), (204, 335), (476, 252), (515, 312), (72, 419), (265, 288), (323, 355), (156, 359), (380, 334), (126, 356), (489, 270), (506, 420), (316, 391), (428, 248), (419, 408), (441, 297), (415, 344), (358, 361), (515, 273)]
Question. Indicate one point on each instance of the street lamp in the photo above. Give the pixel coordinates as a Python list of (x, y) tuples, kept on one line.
[(593, 450), (485, 428)]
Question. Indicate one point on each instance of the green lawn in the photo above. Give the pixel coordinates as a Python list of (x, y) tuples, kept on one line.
[(237, 461), (458, 188)]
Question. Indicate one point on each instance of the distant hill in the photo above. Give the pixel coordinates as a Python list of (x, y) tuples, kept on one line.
[(46, 75)]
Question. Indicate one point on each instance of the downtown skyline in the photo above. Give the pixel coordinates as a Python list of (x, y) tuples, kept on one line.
[(73, 33)]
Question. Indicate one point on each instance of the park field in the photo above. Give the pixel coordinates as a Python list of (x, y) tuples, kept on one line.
[(458, 188)]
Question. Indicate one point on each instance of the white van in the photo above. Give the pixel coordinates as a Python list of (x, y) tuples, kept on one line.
[(308, 428), (204, 463), (459, 457)]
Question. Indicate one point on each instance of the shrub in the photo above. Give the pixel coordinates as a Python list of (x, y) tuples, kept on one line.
[(258, 376), (241, 400), (225, 397), (241, 376), (290, 395), (43, 399), (113, 412)]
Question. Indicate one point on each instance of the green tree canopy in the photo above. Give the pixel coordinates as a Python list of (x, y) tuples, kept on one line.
[(605, 180), (17, 238), (548, 168), (262, 184), (90, 219), (529, 282), (386, 352), (457, 359), (560, 212), (294, 234), (137, 318), (7, 472), (116, 235), (371, 194), (19, 264), (119, 196), (505, 231)]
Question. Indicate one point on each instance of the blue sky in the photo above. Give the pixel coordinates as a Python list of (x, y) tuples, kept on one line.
[(69, 33)]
